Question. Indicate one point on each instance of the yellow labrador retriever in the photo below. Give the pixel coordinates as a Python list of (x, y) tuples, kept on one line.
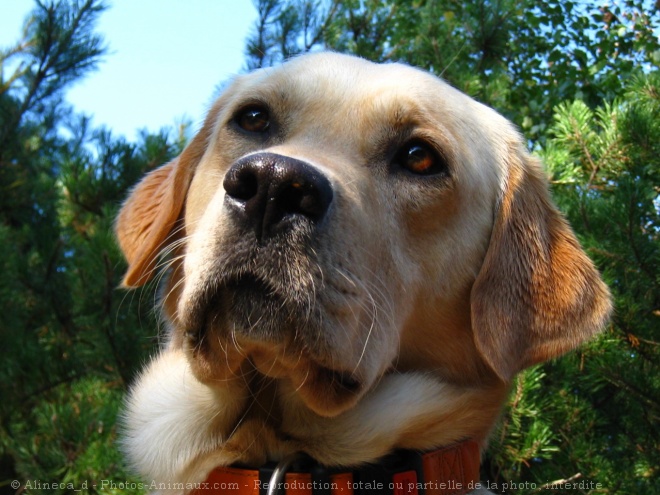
[(359, 258)]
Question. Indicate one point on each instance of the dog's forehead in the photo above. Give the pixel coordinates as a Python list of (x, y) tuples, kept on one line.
[(346, 71), (337, 80)]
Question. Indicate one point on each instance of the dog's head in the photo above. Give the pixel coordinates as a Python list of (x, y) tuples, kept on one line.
[(335, 219)]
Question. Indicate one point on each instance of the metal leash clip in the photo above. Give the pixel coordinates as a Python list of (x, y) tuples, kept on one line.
[(280, 471)]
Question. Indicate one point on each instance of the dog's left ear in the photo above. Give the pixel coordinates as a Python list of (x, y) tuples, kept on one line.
[(537, 294), (148, 217), (146, 223)]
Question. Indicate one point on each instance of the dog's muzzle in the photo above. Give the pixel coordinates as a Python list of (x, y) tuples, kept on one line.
[(267, 266), (266, 298)]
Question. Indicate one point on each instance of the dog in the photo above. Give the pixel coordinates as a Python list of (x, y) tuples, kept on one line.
[(356, 260)]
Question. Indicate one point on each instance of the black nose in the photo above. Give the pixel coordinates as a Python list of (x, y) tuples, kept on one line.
[(273, 192)]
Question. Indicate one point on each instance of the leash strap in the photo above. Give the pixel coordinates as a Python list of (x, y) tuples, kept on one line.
[(452, 470)]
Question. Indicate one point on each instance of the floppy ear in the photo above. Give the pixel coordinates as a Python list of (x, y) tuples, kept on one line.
[(150, 214), (537, 294), (148, 217)]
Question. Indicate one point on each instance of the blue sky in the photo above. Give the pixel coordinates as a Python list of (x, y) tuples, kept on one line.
[(164, 63)]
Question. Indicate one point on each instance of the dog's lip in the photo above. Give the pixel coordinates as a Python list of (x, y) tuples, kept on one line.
[(329, 392), (249, 282), (327, 387), (205, 307), (344, 380), (326, 390), (276, 365)]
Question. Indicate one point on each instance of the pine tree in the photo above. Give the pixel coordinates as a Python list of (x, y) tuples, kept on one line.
[(594, 415), (581, 80), (521, 57), (71, 341)]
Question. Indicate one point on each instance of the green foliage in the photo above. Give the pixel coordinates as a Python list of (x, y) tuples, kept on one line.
[(602, 404), (580, 79), (523, 58), (71, 341), (70, 438), (283, 30)]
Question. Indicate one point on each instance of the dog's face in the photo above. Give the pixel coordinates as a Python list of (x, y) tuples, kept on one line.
[(314, 222), (337, 219)]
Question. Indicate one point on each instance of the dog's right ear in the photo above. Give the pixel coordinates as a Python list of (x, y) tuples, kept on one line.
[(148, 217)]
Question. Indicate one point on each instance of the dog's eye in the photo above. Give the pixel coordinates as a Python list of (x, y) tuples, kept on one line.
[(420, 159), (254, 119)]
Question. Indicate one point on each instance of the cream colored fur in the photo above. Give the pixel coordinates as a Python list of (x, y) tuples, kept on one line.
[(423, 296)]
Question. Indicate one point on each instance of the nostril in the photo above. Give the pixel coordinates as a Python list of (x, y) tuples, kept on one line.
[(241, 183), (308, 198)]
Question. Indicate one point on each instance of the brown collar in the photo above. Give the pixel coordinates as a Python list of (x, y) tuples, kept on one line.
[(452, 470)]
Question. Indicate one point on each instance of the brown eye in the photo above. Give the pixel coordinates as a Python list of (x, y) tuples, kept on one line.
[(253, 119), (419, 159)]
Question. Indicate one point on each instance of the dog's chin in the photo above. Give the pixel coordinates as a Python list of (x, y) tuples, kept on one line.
[(249, 325)]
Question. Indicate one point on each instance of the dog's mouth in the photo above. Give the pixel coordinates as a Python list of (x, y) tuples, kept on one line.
[(248, 319), (246, 305), (255, 306), (324, 390)]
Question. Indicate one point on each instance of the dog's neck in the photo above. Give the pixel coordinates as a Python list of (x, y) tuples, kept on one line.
[(450, 469), (251, 420)]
